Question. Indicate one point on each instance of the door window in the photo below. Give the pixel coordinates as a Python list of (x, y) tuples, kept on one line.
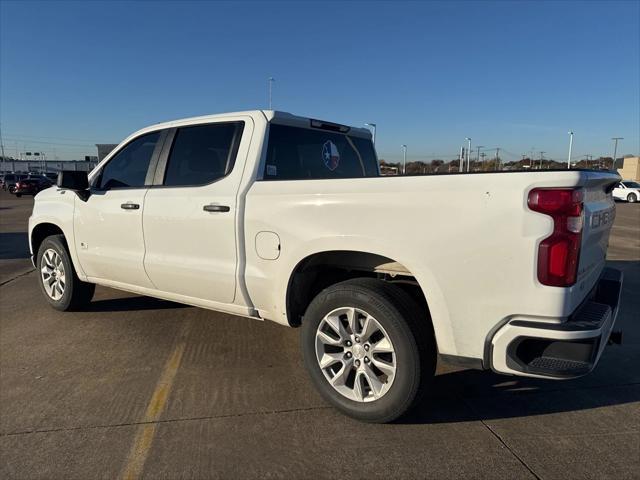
[(202, 154), (128, 168)]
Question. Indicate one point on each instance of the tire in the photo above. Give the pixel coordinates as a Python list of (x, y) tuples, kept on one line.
[(399, 318), (64, 290), (18, 195), (632, 198)]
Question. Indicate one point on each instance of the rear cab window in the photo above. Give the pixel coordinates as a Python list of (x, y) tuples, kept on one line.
[(297, 153)]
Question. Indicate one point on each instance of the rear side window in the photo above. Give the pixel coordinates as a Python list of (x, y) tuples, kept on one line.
[(299, 153), (128, 168), (203, 153)]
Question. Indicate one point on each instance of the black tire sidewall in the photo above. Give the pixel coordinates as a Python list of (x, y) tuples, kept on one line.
[(56, 243), (632, 198), (406, 382)]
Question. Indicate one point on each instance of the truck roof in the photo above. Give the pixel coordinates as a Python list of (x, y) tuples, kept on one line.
[(272, 116)]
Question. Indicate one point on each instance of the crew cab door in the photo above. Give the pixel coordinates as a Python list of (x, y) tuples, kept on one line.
[(190, 213), (108, 225)]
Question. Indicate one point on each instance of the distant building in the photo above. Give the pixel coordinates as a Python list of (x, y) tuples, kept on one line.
[(105, 149), (630, 169)]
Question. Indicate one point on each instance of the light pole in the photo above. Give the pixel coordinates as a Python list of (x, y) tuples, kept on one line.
[(271, 80), (541, 158), (373, 126), (461, 168), (468, 139), (570, 148), (404, 159), (615, 151)]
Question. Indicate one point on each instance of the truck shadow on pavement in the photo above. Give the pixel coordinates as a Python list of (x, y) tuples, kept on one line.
[(14, 245), (473, 395), (127, 304)]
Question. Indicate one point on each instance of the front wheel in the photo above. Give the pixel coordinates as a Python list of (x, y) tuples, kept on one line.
[(57, 278), (632, 198), (367, 350)]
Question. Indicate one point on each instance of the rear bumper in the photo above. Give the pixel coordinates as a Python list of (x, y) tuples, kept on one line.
[(560, 348)]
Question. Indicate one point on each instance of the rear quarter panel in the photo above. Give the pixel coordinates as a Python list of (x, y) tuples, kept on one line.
[(469, 240)]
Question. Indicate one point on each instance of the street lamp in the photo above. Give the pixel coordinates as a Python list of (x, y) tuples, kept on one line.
[(404, 159), (468, 139), (570, 148), (373, 126), (615, 151)]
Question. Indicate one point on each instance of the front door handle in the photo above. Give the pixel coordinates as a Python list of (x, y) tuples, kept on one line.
[(216, 208), (130, 206)]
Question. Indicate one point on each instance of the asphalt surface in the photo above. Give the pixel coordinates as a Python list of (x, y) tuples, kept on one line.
[(140, 387)]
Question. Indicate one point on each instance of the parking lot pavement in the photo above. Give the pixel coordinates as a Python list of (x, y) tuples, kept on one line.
[(140, 387)]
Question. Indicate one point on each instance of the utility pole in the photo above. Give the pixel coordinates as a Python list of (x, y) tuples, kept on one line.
[(478, 157), (615, 151), (1, 143), (483, 155), (570, 148), (541, 158), (461, 168), (497, 158), (271, 80), (531, 157), (404, 159), (468, 139)]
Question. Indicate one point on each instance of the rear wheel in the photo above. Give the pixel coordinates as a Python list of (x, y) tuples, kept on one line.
[(367, 350), (58, 280), (632, 198)]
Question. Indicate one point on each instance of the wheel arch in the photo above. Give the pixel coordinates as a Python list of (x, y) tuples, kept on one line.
[(45, 228), (42, 231), (322, 269)]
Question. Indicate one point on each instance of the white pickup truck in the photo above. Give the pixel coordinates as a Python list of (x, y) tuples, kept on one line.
[(276, 217)]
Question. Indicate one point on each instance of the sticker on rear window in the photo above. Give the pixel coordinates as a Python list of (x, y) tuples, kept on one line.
[(272, 170), (330, 155)]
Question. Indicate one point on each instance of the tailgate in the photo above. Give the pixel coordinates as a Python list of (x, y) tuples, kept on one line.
[(599, 213)]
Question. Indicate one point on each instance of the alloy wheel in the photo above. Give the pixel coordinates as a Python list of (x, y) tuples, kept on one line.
[(355, 354), (53, 274)]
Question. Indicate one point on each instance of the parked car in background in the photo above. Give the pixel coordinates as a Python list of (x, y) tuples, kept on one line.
[(627, 190), (53, 176), (31, 185), (10, 180), (276, 217)]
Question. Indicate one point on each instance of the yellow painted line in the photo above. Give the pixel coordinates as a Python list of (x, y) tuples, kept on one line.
[(144, 436)]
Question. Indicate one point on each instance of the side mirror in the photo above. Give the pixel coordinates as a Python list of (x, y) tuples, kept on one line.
[(72, 180), (75, 181)]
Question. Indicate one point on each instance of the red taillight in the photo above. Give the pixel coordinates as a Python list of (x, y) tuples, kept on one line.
[(559, 253)]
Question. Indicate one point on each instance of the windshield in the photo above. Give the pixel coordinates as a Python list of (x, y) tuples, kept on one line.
[(631, 184)]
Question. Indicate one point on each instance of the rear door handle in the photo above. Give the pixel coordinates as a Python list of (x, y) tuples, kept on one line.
[(216, 208), (130, 206)]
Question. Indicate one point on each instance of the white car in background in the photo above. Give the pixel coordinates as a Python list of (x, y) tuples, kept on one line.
[(627, 190)]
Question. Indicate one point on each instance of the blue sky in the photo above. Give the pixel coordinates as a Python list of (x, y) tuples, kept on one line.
[(517, 75)]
